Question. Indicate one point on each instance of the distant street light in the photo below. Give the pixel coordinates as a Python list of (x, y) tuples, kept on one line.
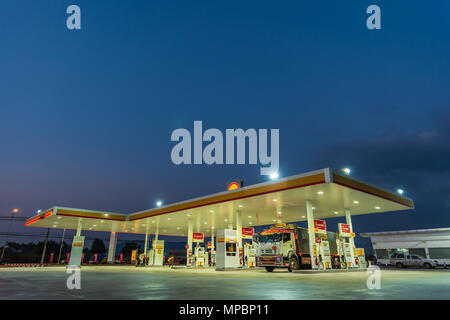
[(14, 211), (274, 175)]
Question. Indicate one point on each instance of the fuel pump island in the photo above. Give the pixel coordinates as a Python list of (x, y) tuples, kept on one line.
[(227, 218)]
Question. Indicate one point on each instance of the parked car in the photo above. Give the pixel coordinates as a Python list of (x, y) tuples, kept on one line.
[(403, 260)]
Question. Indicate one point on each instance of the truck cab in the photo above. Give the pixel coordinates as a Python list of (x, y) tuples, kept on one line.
[(280, 247)]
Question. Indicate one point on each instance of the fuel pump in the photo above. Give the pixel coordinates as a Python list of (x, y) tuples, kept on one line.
[(249, 255), (325, 253), (157, 252), (199, 256)]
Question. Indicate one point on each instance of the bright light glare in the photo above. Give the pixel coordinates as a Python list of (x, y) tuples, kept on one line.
[(274, 175), (400, 191), (347, 170)]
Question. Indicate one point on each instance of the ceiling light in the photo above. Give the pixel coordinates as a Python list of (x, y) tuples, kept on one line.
[(303, 217), (250, 217), (94, 225), (400, 191), (158, 203), (225, 220), (240, 206), (58, 217), (126, 230), (169, 218), (188, 215), (106, 215), (102, 221), (274, 200), (164, 230), (377, 208), (336, 212), (250, 222), (320, 192), (211, 211), (347, 170), (143, 225), (274, 220), (205, 222), (153, 221), (314, 208), (178, 228), (90, 228), (355, 202)]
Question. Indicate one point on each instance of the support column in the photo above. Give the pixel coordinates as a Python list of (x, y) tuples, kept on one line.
[(239, 235), (146, 242), (351, 240), (155, 243), (79, 228), (312, 233), (189, 242), (212, 246), (112, 247)]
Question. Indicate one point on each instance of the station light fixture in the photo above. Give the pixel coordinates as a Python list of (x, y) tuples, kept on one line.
[(275, 200), (400, 191), (355, 201), (303, 216), (211, 211), (377, 208), (38, 211), (240, 206), (106, 215), (169, 219), (188, 215), (225, 220), (320, 192), (178, 228), (274, 175), (274, 220), (347, 171), (250, 222), (336, 212), (15, 210), (249, 217), (158, 203), (58, 217)]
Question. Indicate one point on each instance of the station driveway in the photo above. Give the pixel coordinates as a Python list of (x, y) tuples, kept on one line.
[(127, 282)]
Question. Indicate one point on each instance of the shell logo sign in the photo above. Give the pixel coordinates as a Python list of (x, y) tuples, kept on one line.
[(197, 237), (234, 185)]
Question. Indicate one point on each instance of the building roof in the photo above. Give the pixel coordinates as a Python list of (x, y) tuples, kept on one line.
[(260, 204)]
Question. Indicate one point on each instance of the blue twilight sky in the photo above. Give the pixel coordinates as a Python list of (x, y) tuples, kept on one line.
[(86, 116)]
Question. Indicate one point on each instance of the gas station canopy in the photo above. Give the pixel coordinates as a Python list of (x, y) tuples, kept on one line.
[(260, 204)]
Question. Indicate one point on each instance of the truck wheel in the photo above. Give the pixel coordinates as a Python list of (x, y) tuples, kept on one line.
[(269, 269), (293, 263), (399, 265), (427, 265)]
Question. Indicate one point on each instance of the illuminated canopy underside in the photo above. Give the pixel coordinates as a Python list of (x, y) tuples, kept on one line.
[(260, 204)]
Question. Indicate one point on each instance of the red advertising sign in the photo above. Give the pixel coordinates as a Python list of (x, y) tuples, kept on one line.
[(121, 258), (197, 237), (51, 257), (247, 233), (344, 230), (320, 226)]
